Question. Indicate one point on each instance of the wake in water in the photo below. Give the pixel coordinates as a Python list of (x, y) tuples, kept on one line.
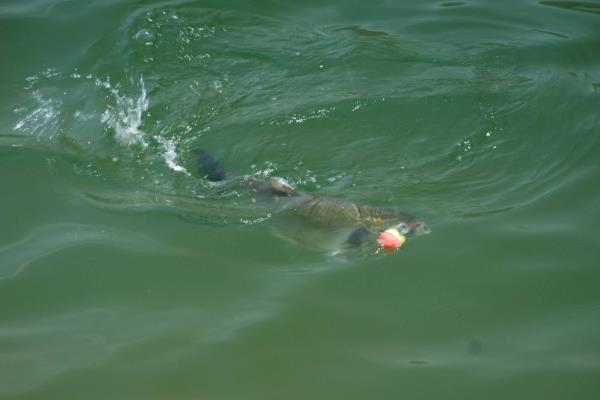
[(66, 116)]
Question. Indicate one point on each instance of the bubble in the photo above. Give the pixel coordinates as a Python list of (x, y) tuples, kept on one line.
[(144, 35)]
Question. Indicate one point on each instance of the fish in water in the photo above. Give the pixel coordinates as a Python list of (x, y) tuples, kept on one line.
[(313, 221)]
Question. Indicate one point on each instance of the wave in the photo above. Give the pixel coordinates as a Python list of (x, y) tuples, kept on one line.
[(46, 240)]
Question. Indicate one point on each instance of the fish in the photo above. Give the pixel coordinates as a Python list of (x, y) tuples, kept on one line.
[(313, 221)]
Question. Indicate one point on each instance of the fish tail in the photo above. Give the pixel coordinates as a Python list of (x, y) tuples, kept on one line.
[(208, 166)]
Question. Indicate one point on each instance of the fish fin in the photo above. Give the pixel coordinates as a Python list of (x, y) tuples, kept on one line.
[(357, 237), (208, 166)]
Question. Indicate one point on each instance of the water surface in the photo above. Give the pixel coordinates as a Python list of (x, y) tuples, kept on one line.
[(123, 274)]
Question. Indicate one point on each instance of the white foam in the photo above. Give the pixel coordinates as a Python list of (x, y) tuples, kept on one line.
[(170, 154), (43, 119), (126, 116)]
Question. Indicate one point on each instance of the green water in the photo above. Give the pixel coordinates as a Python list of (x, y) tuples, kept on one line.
[(125, 275)]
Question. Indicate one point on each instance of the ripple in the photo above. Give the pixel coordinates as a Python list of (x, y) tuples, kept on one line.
[(593, 8), (453, 4), (50, 239), (222, 209), (52, 345)]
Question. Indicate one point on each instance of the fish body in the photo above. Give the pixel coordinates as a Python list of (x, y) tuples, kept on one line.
[(318, 222)]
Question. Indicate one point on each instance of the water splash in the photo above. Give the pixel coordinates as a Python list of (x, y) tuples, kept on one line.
[(268, 168), (170, 154), (126, 115), (43, 117)]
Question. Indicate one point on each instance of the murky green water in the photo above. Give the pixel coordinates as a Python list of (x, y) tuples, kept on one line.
[(125, 275)]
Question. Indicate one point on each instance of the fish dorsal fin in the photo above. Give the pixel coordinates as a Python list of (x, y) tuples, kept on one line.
[(281, 186)]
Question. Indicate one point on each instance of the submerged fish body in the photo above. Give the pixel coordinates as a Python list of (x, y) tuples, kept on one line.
[(317, 222), (340, 213), (293, 228), (335, 225), (324, 223)]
